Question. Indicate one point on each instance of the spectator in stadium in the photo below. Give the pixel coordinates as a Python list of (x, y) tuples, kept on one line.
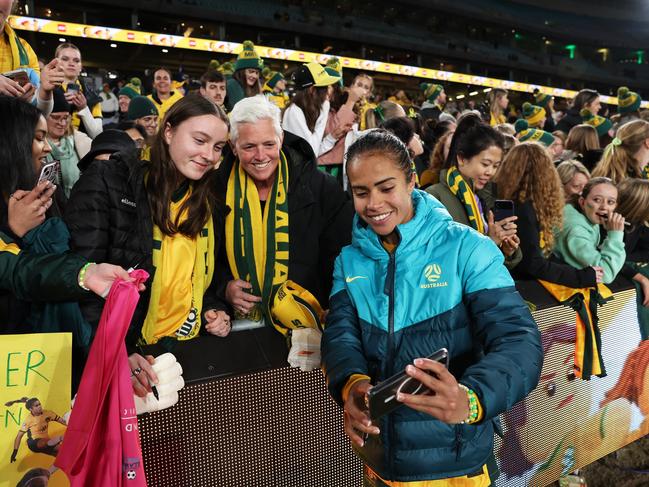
[(628, 106), (498, 101), (633, 205), (586, 98), (15, 53), (627, 155), (109, 105), (213, 87), (406, 235), (435, 100), (404, 129), (111, 141), (437, 159), (68, 144), (583, 145), (307, 113), (343, 106), (401, 98), (574, 176), (474, 157), (163, 97), (125, 95), (245, 80), (85, 103), (136, 133), (275, 88), (279, 173), (579, 242), (528, 177), (558, 146), (525, 133), (143, 111), (168, 226), (366, 83), (546, 102)]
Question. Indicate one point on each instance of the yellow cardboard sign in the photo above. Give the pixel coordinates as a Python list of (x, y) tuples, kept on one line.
[(167, 40), (35, 371)]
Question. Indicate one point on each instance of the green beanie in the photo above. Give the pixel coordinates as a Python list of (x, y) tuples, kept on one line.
[(248, 58), (226, 69), (139, 107), (271, 77), (533, 114), (213, 65), (601, 124), (526, 134), (541, 99), (132, 89), (627, 101), (431, 91), (335, 68)]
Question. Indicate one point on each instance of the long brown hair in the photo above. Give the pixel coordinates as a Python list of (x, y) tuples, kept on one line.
[(163, 176), (618, 161), (240, 76), (633, 200), (582, 138), (528, 174), (310, 101)]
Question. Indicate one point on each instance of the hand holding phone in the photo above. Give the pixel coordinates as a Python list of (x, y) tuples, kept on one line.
[(20, 76), (50, 172), (382, 398), (503, 209)]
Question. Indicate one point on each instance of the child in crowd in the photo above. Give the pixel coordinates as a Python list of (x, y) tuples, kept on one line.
[(574, 177), (578, 243), (627, 155)]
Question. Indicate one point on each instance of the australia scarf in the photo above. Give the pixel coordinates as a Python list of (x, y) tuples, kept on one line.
[(467, 197), (257, 244)]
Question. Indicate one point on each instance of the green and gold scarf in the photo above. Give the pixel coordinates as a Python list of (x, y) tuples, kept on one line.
[(257, 244), (465, 194)]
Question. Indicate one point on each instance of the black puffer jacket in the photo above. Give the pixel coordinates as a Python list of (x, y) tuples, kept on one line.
[(570, 119), (320, 223), (110, 221)]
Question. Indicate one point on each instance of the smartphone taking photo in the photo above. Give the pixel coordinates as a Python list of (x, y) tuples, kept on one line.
[(20, 76), (382, 398), (50, 172), (503, 209)]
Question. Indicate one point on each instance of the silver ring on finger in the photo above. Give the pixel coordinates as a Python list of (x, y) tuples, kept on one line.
[(136, 371)]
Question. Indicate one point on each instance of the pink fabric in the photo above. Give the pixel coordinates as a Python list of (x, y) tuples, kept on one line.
[(344, 116), (101, 445)]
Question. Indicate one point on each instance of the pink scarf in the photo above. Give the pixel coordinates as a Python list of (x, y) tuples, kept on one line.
[(101, 444)]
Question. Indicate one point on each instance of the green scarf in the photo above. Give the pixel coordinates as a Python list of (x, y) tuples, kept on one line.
[(465, 194), (66, 154), (258, 245), (18, 51)]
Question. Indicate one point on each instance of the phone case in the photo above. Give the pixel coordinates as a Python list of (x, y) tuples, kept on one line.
[(382, 398), (50, 172)]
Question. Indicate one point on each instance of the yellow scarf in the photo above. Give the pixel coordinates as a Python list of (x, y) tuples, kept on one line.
[(462, 191), (201, 278), (257, 245)]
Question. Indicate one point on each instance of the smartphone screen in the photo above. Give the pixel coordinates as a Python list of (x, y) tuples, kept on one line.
[(50, 172), (503, 209), (73, 87)]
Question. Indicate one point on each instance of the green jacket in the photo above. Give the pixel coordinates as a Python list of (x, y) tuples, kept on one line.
[(34, 277), (442, 192), (235, 93), (578, 245)]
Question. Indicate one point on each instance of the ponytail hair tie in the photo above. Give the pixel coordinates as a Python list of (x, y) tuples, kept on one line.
[(616, 142), (412, 113), (378, 111)]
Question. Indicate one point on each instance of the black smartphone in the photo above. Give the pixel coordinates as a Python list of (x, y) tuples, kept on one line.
[(382, 398), (503, 209), (50, 172)]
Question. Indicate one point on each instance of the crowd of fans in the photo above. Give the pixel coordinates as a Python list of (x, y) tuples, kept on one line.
[(227, 191)]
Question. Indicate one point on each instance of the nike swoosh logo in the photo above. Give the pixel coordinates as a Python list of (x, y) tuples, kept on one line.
[(352, 279)]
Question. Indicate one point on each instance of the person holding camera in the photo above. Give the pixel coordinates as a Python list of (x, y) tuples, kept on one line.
[(412, 282)]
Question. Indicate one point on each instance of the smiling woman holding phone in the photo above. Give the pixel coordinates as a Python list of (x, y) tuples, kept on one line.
[(413, 282)]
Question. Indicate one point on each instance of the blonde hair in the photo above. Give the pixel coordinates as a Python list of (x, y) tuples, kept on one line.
[(388, 109), (633, 200), (528, 174), (618, 161), (493, 96), (506, 129), (582, 138), (568, 169)]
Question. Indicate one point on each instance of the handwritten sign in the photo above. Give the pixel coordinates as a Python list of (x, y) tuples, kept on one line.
[(35, 373)]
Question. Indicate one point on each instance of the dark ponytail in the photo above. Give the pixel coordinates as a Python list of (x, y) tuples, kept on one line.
[(471, 137)]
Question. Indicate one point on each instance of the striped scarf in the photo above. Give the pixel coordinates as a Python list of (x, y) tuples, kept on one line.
[(467, 197), (257, 244), (588, 344)]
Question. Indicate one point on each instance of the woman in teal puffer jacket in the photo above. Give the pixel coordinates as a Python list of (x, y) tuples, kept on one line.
[(414, 281)]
